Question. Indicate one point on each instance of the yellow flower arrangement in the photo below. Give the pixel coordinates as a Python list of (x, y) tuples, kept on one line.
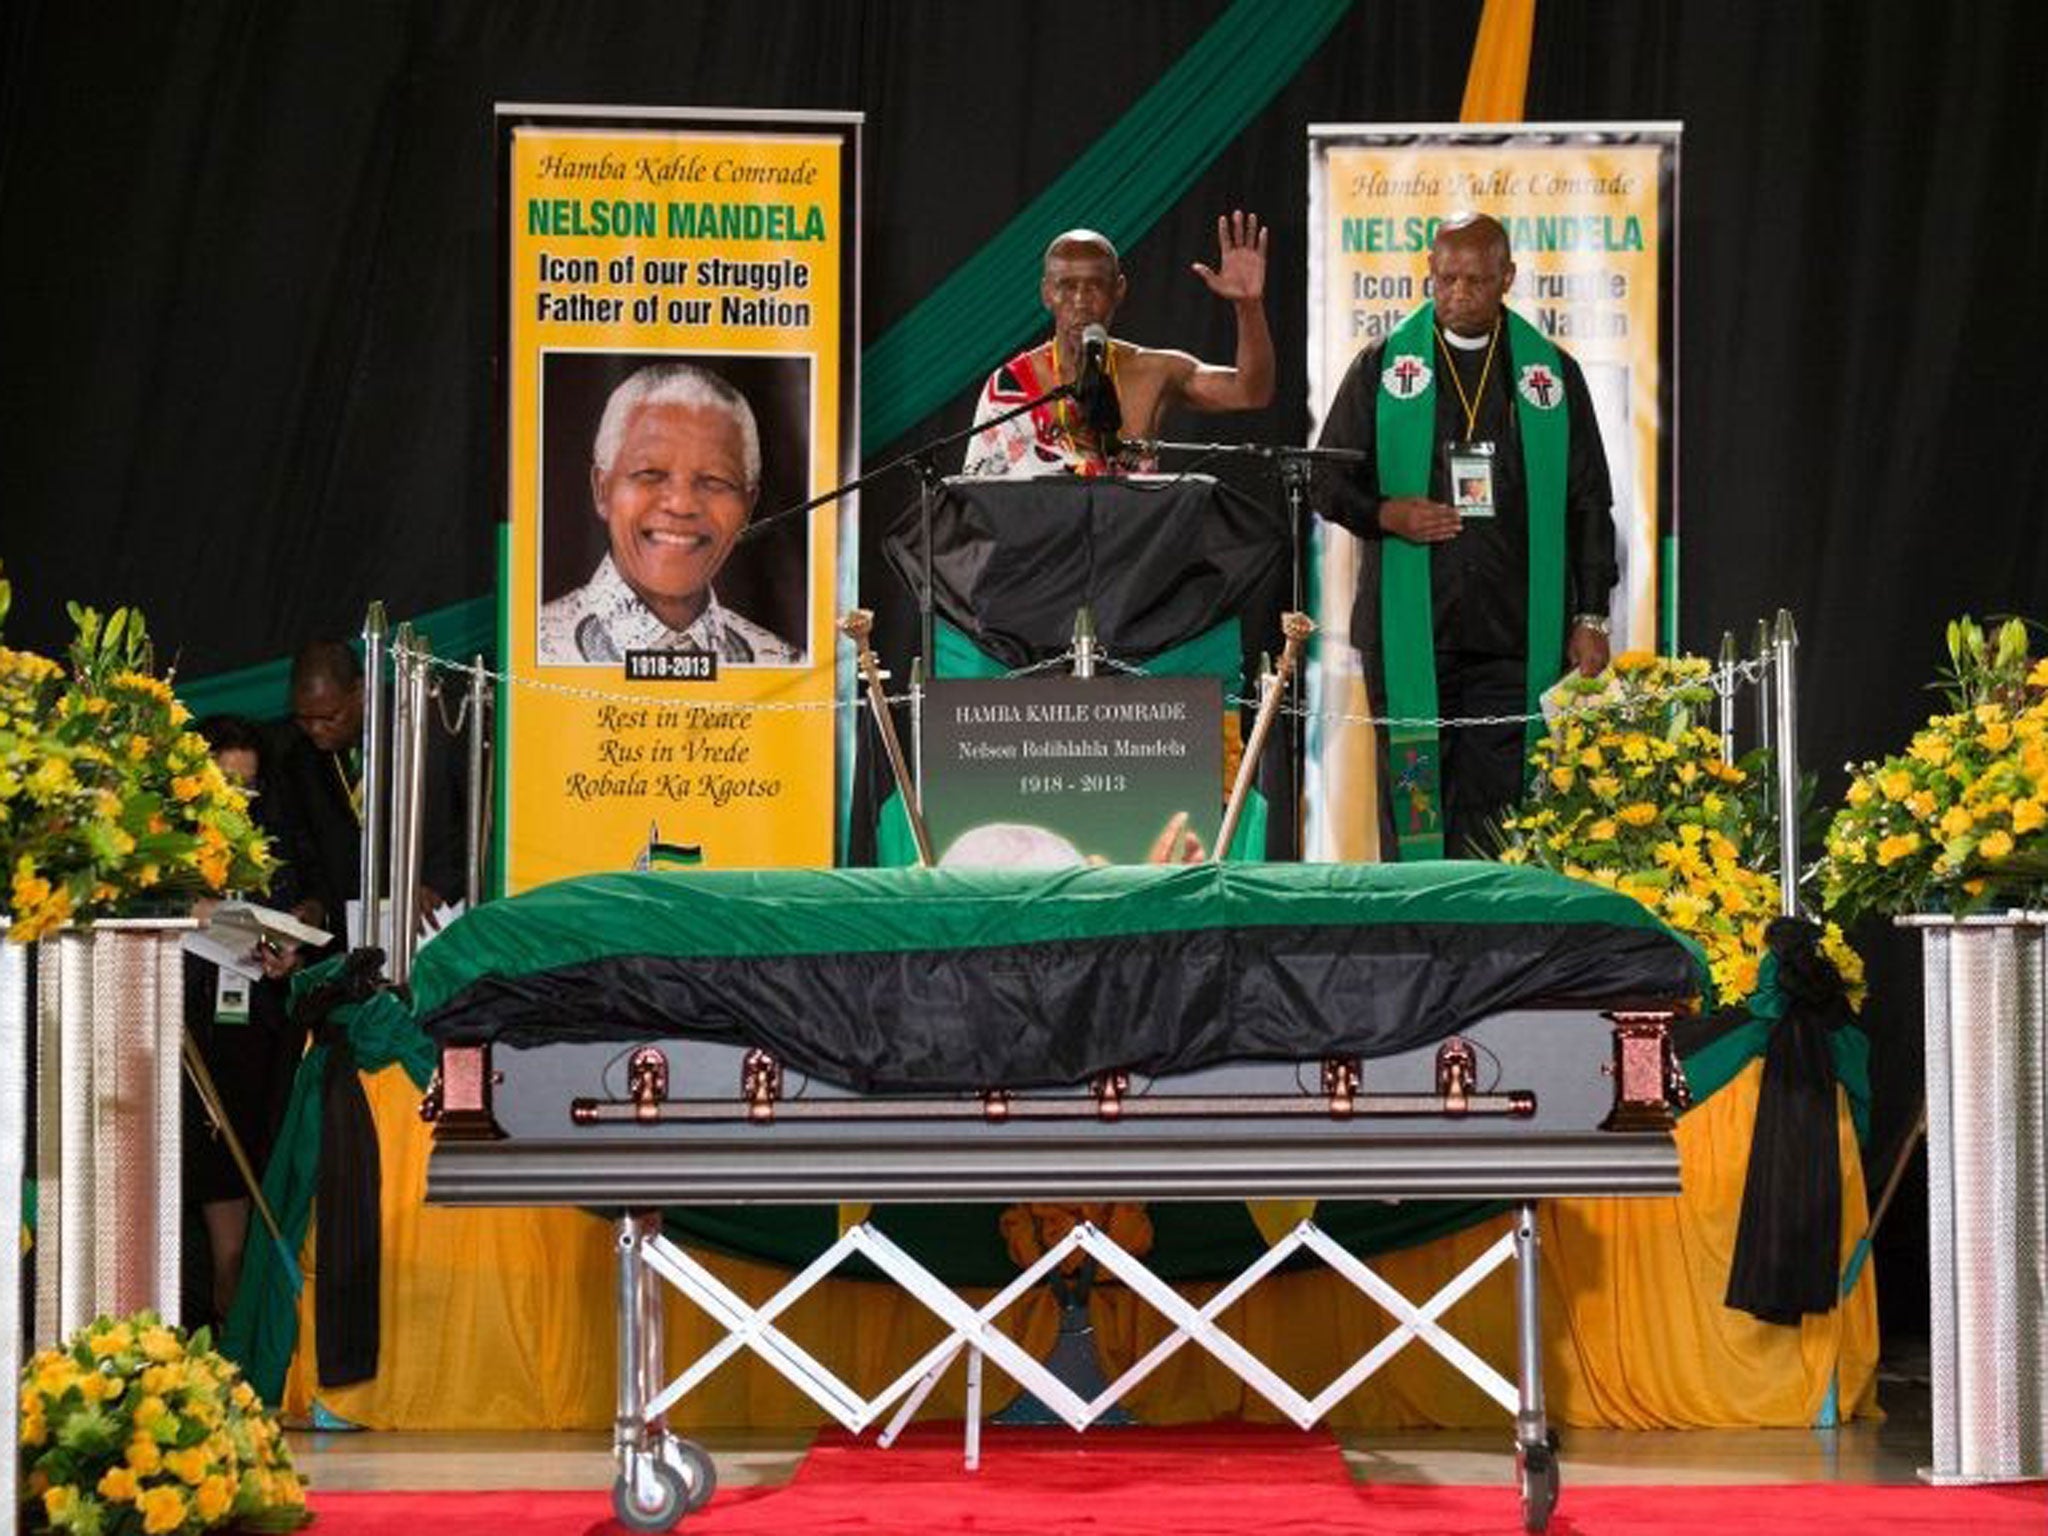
[(1658, 816), (134, 1426), (104, 795), (1959, 820)]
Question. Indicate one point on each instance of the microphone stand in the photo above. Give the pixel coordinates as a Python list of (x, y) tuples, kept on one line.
[(1294, 466), (919, 459)]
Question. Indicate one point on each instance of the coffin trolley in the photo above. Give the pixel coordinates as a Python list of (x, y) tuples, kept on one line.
[(1213, 1032)]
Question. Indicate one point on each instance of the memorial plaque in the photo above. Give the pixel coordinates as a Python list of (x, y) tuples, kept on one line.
[(1047, 771)]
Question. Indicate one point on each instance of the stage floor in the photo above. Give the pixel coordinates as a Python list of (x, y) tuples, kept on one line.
[(1891, 1450)]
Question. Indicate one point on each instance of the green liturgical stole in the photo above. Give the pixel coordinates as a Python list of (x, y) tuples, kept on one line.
[(1405, 440)]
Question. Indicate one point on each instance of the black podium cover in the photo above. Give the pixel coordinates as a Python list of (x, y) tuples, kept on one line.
[(1159, 560)]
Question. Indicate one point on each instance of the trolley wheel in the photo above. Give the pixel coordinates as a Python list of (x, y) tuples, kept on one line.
[(694, 1464), (650, 1495), (1536, 1470)]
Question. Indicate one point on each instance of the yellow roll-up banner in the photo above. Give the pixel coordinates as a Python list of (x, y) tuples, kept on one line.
[(680, 377), (1590, 212)]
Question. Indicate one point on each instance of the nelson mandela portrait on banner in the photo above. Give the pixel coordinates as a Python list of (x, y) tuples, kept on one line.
[(664, 490)]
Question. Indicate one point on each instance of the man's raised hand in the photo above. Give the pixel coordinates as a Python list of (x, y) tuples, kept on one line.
[(1240, 270)]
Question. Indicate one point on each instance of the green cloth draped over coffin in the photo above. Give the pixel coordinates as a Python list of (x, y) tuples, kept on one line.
[(902, 980)]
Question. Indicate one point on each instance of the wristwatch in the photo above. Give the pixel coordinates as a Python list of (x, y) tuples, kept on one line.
[(1599, 623)]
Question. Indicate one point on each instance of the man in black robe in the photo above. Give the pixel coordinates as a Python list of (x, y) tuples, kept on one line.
[(1479, 566)]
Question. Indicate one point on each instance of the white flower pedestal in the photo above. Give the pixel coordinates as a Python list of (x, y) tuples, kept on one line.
[(110, 1019), (1986, 984), (14, 1037), (106, 1029)]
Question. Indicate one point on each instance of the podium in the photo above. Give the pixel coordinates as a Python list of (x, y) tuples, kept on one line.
[(1160, 560), (1183, 575)]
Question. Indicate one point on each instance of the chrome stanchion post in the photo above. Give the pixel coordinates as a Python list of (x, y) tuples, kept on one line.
[(412, 787), (397, 935), (858, 626), (1766, 653), (1296, 627), (1726, 673), (1785, 698), (478, 820), (1085, 651), (376, 733)]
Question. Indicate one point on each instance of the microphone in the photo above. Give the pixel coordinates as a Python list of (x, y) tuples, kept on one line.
[(1094, 350), (1094, 391)]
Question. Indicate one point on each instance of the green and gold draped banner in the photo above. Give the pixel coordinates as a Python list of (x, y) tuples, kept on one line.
[(1131, 175), (1497, 80)]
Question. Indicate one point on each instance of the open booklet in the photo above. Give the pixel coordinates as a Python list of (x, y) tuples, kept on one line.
[(234, 936)]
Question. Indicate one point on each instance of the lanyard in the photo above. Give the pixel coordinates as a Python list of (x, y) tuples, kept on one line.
[(1470, 403), (353, 791)]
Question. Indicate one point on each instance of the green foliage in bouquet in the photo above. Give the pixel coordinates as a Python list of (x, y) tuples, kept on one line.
[(105, 797), (137, 1427), (1958, 821), (1631, 793)]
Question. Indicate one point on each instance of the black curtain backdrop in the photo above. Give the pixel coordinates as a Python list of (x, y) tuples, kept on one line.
[(250, 294)]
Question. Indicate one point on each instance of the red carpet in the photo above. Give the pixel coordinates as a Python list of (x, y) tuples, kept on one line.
[(1182, 1482)]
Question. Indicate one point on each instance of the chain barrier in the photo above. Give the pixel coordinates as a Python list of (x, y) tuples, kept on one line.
[(439, 696), (1722, 678), (1740, 674), (1065, 658), (601, 696)]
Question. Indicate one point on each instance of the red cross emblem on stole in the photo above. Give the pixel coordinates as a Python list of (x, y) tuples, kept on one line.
[(1406, 377), (1540, 387)]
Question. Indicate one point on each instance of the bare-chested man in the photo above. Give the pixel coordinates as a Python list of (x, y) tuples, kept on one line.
[(1082, 287)]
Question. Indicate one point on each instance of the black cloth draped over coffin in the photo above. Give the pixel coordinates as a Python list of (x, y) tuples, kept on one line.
[(892, 980), (1156, 562)]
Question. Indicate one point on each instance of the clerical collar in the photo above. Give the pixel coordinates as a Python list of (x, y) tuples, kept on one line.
[(1465, 343)]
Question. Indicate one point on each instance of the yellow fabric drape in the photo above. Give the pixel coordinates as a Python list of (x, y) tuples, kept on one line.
[(504, 1319), (1497, 80)]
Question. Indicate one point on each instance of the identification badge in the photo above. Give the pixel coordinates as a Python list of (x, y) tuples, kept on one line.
[(231, 998), (1471, 478)]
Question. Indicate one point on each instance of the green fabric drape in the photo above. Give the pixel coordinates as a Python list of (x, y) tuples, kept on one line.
[(1131, 175), (1710, 1067), (467, 628), (263, 1325), (1216, 652)]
